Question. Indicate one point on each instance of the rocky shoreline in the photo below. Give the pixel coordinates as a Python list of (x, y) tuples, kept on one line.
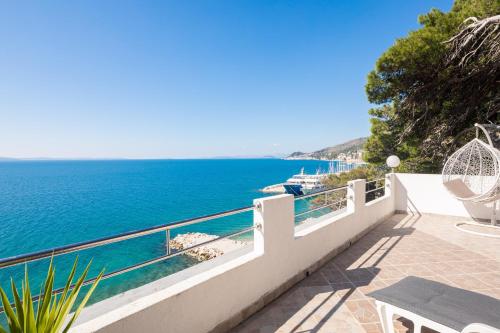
[(207, 251)]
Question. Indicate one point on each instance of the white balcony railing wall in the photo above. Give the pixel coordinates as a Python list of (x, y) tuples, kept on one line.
[(218, 294)]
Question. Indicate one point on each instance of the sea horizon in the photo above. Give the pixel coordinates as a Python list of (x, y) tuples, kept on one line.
[(14, 159)]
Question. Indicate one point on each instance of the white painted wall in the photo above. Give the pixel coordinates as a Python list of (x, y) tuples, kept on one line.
[(425, 193), (200, 301)]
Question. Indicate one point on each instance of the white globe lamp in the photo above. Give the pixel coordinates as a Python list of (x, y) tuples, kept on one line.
[(393, 162)]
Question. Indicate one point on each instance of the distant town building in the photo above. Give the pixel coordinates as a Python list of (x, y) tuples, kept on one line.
[(351, 156)]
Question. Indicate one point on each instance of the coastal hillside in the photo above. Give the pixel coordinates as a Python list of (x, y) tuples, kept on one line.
[(341, 151)]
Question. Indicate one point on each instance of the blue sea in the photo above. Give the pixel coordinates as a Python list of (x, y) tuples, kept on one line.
[(45, 204)]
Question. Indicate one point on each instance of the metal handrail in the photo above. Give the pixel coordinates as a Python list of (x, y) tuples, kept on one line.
[(24, 258), (376, 180), (168, 256), (320, 192), (321, 207), (375, 189), (148, 262)]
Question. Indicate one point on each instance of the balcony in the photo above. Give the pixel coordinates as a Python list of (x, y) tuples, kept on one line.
[(333, 299), (313, 274)]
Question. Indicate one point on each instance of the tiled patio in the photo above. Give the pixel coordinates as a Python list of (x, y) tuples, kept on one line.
[(334, 299)]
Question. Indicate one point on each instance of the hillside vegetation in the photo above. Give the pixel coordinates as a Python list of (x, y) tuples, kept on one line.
[(432, 85)]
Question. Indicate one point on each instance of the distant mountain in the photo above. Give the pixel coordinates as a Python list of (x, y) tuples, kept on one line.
[(297, 154), (332, 152)]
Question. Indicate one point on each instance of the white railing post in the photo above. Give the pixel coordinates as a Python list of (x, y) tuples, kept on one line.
[(389, 184), (390, 188), (274, 219), (356, 195)]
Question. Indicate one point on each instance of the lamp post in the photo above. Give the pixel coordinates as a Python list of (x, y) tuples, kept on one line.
[(392, 162)]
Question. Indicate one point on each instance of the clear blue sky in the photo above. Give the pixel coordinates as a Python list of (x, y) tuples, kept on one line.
[(142, 79)]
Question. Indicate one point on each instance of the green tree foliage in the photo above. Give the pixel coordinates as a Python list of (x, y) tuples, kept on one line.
[(426, 98), (338, 180), (368, 173)]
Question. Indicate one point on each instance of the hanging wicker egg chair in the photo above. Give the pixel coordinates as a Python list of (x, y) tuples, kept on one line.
[(472, 173)]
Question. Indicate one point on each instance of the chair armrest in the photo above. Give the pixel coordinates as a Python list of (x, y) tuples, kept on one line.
[(479, 328)]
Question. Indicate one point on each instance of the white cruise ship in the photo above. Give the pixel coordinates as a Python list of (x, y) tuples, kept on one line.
[(303, 183)]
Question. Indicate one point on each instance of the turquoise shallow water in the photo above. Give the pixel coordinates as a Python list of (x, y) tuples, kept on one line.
[(45, 204)]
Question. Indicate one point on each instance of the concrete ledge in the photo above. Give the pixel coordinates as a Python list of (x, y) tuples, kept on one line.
[(107, 307)]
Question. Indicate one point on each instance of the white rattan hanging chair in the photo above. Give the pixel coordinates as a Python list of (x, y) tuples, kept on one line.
[(472, 173)]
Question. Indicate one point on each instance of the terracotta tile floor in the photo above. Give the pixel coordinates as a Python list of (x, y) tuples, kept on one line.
[(333, 299)]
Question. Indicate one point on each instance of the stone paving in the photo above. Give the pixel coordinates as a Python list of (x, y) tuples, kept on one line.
[(333, 299)]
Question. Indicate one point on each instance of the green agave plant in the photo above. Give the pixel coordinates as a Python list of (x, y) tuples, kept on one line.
[(51, 309)]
